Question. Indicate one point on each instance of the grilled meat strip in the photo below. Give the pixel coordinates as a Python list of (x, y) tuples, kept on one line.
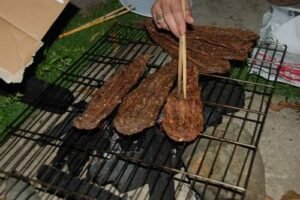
[(140, 108), (209, 48), (111, 94), (228, 42), (228, 45), (204, 63), (216, 51), (243, 35), (182, 118)]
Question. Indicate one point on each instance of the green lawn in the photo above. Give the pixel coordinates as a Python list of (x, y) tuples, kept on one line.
[(281, 89), (63, 52)]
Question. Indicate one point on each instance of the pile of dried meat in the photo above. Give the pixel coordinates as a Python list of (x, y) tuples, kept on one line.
[(208, 51), (209, 48)]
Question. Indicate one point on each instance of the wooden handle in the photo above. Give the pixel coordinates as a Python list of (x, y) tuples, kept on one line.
[(109, 16), (184, 63)]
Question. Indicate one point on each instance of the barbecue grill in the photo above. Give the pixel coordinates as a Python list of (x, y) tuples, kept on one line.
[(44, 156)]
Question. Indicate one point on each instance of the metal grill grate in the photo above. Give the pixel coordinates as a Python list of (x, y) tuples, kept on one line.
[(44, 152)]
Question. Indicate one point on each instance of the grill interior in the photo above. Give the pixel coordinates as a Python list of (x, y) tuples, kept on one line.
[(46, 157)]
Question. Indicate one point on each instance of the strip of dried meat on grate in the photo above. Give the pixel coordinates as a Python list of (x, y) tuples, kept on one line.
[(182, 118), (228, 41), (111, 93), (209, 48), (234, 33), (205, 64), (140, 109)]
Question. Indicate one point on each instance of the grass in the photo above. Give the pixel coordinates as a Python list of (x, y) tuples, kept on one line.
[(281, 89), (10, 108), (65, 51)]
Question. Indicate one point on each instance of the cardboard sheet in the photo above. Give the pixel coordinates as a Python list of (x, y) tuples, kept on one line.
[(23, 23)]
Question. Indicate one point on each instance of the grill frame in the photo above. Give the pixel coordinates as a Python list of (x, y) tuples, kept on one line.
[(21, 156)]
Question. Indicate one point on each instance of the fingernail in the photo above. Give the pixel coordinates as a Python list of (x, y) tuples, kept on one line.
[(181, 30), (190, 20)]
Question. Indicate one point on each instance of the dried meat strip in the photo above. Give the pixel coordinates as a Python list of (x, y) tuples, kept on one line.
[(140, 109), (204, 64), (209, 48), (183, 118), (111, 94), (228, 42), (245, 35), (216, 51)]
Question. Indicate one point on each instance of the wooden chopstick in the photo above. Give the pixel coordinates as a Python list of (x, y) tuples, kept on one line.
[(109, 16), (183, 51), (179, 75), (184, 70)]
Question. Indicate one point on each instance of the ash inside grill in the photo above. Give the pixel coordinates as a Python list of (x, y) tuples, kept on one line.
[(54, 159), (100, 149), (78, 146)]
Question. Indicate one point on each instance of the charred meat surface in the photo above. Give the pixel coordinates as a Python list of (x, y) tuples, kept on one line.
[(140, 108), (182, 118), (111, 94)]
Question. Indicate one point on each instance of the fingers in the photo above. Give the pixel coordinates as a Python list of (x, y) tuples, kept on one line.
[(168, 14), (158, 16)]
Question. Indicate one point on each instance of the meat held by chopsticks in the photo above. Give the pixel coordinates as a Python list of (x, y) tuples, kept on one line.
[(209, 48), (140, 109), (182, 118), (243, 35), (204, 63), (111, 93)]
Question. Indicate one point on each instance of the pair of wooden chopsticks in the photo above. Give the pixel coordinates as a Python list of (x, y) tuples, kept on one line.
[(120, 11), (182, 74)]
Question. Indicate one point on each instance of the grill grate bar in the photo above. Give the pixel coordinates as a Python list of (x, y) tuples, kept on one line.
[(228, 141), (36, 183), (238, 80), (235, 108), (197, 177)]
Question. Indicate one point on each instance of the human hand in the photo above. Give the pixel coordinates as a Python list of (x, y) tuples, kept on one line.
[(168, 14)]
